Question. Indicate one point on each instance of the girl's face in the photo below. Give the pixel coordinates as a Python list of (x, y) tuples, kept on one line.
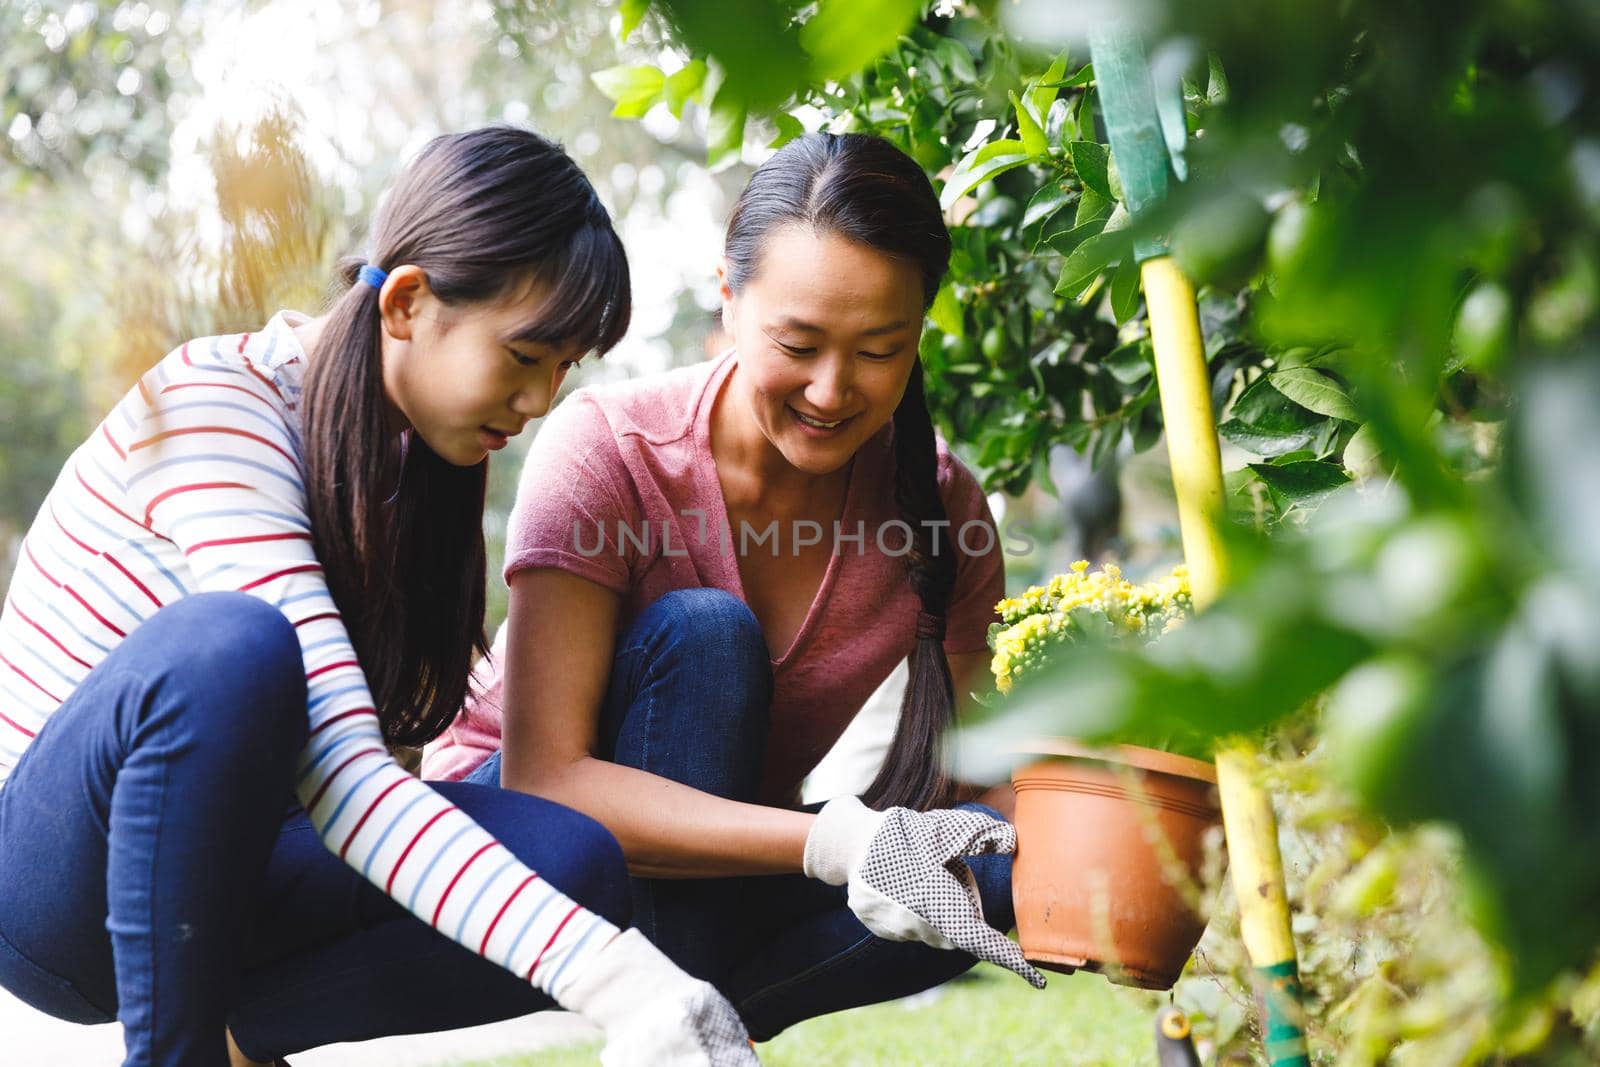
[(827, 335), (456, 374)]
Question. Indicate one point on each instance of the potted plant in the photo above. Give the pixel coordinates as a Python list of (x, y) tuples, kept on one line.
[(1110, 839)]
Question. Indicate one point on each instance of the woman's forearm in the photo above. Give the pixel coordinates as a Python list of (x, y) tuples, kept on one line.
[(669, 830)]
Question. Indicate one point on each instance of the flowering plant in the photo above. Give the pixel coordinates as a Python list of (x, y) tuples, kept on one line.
[(1083, 605)]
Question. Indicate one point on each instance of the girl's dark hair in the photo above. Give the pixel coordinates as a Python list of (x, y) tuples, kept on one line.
[(398, 530), (866, 190)]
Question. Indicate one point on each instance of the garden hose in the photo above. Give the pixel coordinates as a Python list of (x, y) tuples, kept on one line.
[(1138, 145)]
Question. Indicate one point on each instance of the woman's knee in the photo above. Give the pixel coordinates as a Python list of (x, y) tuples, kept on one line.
[(715, 627)]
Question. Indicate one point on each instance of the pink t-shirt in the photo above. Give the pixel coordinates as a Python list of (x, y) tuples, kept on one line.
[(620, 488)]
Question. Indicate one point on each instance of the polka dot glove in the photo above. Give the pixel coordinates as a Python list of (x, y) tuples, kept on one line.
[(906, 877), (653, 1014)]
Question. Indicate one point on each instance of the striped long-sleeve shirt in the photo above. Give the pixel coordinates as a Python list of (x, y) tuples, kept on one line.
[(194, 483)]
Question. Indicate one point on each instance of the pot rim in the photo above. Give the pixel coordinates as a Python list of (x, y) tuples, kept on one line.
[(1136, 756)]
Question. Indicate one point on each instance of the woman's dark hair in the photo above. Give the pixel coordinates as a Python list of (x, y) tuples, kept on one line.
[(399, 531), (866, 190)]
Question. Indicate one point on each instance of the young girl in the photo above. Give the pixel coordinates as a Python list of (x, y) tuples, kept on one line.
[(263, 569), (713, 569)]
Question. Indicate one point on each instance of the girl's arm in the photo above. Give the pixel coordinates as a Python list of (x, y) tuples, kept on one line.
[(559, 647)]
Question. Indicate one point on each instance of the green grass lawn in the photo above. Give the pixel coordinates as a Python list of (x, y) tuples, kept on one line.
[(989, 1017)]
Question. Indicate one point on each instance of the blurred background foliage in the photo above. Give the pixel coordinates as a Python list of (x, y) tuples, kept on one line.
[(1391, 211)]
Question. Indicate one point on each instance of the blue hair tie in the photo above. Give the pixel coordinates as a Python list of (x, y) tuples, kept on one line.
[(371, 275)]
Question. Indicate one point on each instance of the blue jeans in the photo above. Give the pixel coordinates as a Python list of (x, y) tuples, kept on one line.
[(155, 868), (688, 700)]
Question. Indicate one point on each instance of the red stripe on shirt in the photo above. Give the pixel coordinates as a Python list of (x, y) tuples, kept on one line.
[(253, 540), (48, 636), (77, 473), (14, 723), (325, 723), (304, 568), (106, 430), (107, 623), (229, 431), (396, 784), (251, 393), (316, 618), (27, 550), (57, 520), (26, 678), (192, 487), (268, 382), (483, 949), (145, 589), (328, 781), (562, 926), (331, 667), (451, 887), (388, 886)]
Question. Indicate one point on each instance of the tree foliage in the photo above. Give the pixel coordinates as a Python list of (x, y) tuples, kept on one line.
[(1393, 214)]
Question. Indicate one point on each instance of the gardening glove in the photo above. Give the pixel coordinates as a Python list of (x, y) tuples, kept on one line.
[(906, 877), (653, 1014)]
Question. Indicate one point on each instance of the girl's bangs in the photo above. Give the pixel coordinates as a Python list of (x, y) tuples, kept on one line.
[(590, 301)]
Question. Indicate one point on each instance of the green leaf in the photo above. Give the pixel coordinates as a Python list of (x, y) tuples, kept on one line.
[(1050, 198), (1305, 482), (1089, 259), (1315, 391), (684, 85), (1089, 160), (1064, 241), (957, 60), (633, 13), (1003, 147), (844, 36), (725, 130), (946, 312), (1361, 453), (1125, 290), (1084, 76), (1092, 206), (1044, 90), (1263, 443), (980, 166), (1129, 363), (789, 128), (1266, 410), (635, 89), (1028, 128)]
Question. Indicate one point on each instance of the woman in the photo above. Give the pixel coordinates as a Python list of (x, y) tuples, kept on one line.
[(710, 572), (263, 569)]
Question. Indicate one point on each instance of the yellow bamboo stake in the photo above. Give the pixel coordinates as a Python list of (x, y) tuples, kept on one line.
[(1190, 426), (1247, 816)]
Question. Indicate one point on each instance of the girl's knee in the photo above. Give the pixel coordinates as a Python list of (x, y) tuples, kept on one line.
[(238, 660)]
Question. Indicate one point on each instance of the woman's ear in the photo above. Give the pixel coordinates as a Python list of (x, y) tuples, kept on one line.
[(727, 296), (401, 300)]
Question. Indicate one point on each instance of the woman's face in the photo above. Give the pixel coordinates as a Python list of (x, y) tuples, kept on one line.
[(827, 335), (456, 373)]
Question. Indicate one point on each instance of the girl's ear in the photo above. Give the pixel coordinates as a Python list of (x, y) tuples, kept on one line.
[(401, 300)]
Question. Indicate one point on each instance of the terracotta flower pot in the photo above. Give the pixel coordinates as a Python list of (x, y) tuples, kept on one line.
[(1105, 841)]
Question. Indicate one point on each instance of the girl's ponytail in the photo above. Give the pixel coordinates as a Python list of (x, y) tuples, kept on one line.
[(398, 530)]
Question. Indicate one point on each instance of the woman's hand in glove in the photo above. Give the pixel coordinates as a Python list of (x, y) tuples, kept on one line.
[(653, 1014), (906, 876)]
